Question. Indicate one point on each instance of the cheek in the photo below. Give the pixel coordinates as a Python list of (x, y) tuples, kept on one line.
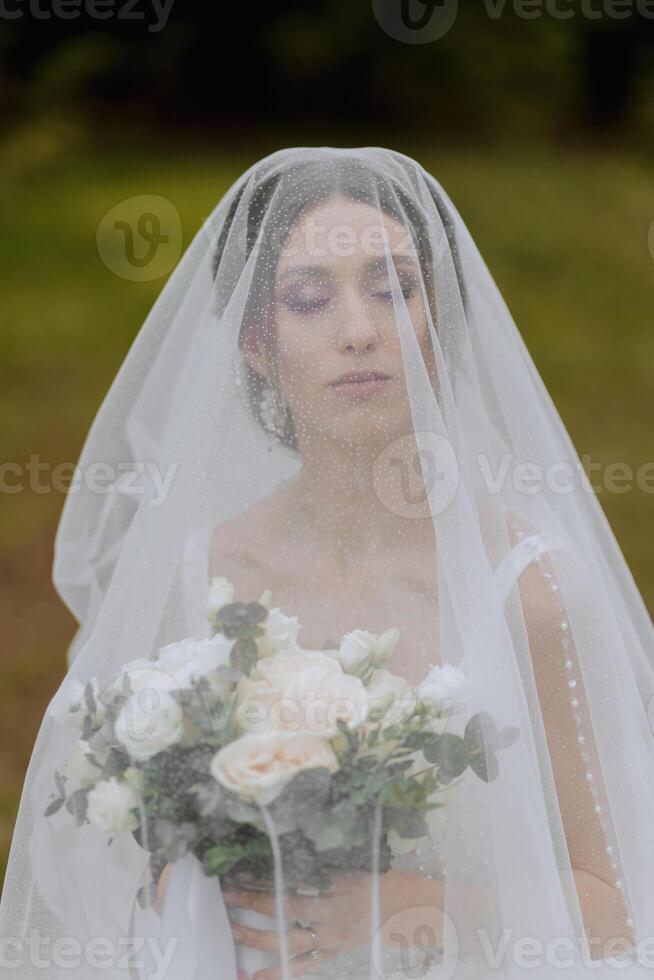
[(301, 355)]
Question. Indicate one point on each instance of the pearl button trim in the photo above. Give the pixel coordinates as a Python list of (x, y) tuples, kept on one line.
[(566, 646)]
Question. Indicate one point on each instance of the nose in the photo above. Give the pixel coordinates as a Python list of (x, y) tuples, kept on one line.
[(358, 331)]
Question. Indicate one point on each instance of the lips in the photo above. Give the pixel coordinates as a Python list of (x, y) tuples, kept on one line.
[(360, 377), (360, 384)]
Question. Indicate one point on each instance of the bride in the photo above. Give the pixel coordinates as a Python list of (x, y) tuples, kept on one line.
[(354, 425)]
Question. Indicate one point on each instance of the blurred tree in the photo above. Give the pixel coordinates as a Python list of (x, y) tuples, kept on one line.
[(494, 69)]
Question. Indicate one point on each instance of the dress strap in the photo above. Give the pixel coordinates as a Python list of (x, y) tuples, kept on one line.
[(516, 561)]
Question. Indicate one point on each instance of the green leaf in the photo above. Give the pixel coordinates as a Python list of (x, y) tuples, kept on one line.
[(55, 805), (235, 617), (77, 804), (326, 836), (449, 753), (507, 736), (243, 655), (89, 697), (409, 824), (221, 858)]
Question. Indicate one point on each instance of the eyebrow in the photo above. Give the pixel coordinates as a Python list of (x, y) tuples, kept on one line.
[(316, 270)]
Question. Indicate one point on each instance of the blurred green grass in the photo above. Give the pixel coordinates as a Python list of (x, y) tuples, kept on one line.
[(563, 232)]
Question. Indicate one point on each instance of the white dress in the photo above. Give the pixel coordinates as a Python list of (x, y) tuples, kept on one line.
[(194, 906)]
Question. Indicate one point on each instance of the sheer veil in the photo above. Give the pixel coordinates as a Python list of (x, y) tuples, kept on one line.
[(227, 439)]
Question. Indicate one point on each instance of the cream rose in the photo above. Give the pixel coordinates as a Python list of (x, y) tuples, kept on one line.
[(110, 806), (258, 766), (301, 690), (148, 724), (270, 675)]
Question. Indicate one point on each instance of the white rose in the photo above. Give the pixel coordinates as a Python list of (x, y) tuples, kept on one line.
[(385, 646), (144, 675), (355, 649), (447, 689), (69, 704), (79, 770), (110, 806), (390, 698), (280, 633), (189, 660), (221, 593), (300, 690), (147, 725), (360, 649), (258, 766)]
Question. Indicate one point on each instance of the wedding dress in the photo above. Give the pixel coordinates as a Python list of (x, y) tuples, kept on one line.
[(331, 377), (425, 857)]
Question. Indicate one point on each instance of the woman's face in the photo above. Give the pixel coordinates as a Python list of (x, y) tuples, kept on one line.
[(335, 317)]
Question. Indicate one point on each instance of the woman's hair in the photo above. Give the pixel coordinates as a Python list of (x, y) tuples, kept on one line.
[(288, 195)]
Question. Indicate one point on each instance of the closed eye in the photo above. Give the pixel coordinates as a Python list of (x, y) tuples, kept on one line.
[(386, 295), (304, 302)]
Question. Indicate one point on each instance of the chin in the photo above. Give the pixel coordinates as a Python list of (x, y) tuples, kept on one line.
[(371, 432)]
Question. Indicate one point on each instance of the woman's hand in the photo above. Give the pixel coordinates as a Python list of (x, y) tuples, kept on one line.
[(340, 919)]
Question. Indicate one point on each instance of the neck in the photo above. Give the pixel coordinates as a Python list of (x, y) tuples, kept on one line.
[(343, 499)]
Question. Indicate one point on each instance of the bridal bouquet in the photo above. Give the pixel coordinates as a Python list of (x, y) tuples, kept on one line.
[(224, 745)]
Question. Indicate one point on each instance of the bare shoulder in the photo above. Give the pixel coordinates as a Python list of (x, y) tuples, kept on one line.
[(547, 600), (242, 548), (540, 602)]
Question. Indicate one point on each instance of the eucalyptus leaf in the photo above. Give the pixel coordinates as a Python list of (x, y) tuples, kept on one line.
[(54, 806), (89, 697), (77, 804)]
